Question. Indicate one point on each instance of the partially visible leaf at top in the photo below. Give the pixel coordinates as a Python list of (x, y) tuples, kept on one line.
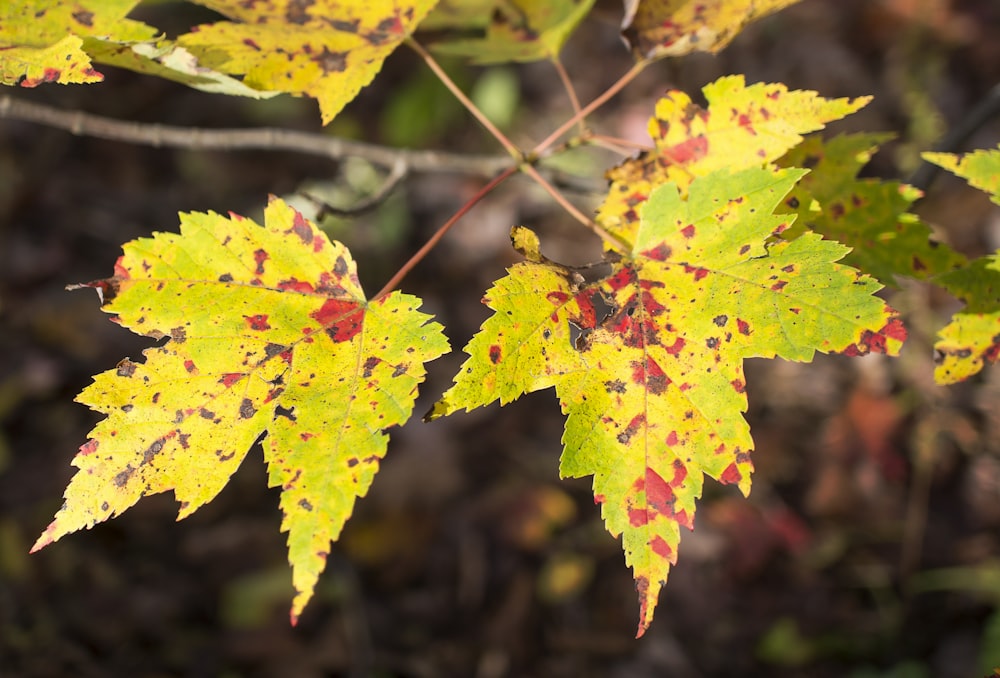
[(659, 28), (522, 30), (742, 127), (460, 14), (42, 40), (971, 340), (327, 49), (648, 361), (869, 215), (268, 335), (980, 168)]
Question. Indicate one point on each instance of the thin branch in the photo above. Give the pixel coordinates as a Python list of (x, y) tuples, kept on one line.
[(265, 138), (514, 151), (570, 207), (629, 76), (369, 202), (434, 239), (570, 92)]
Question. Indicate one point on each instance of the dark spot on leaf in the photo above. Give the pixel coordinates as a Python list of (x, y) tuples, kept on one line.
[(271, 350), (301, 229), (305, 505), (743, 327), (352, 462), (399, 370), (494, 354), (127, 408), (370, 366), (126, 368), (331, 62), (122, 478), (260, 256), (222, 456), (712, 342), (105, 506), (206, 413), (287, 413), (85, 18), (778, 286), (247, 410), (793, 202), (345, 26), (178, 334), (918, 265), (257, 322), (225, 278), (632, 428), (720, 320), (615, 386), (298, 11), (152, 451), (661, 252)]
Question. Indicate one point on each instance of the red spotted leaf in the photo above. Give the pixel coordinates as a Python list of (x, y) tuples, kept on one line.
[(648, 361), (268, 335)]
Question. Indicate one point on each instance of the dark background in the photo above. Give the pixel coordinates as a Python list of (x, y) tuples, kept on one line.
[(470, 557)]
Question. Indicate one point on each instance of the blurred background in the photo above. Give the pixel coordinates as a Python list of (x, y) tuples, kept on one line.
[(870, 545)]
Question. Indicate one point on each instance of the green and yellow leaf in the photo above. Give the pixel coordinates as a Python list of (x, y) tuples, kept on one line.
[(971, 339), (980, 168), (871, 216), (521, 31), (648, 361), (742, 127), (43, 40), (269, 335), (659, 28), (328, 50)]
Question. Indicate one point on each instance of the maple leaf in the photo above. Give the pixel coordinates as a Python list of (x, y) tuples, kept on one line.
[(43, 40), (521, 31), (741, 127), (659, 28), (972, 338), (328, 49), (648, 361), (269, 333), (869, 215)]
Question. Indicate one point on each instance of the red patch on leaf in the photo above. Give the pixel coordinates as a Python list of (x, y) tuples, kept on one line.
[(637, 517), (731, 475), (190, 366), (743, 326), (688, 151), (688, 231), (296, 286), (341, 320), (676, 347), (259, 257), (624, 277), (778, 286), (659, 253), (697, 271), (230, 378), (739, 385), (89, 447), (659, 495), (557, 298), (257, 322), (494, 354), (672, 438), (661, 548)]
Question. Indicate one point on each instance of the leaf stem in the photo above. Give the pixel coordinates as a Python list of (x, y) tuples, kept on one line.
[(515, 152), (570, 207), (434, 239), (629, 76), (570, 92)]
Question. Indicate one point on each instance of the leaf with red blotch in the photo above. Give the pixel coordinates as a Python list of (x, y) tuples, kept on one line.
[(268, 334), (647, 362), (743, 126), (660, 28), (327, 49)]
